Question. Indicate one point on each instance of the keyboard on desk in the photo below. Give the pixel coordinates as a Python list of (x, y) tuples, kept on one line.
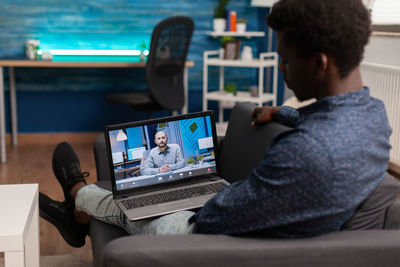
[(174, 195)]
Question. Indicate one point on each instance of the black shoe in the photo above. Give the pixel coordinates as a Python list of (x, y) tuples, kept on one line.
[(61, 215), (67, 169)]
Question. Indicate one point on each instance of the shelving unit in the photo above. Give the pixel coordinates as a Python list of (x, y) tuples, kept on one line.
[(247, 35), (227, 100)]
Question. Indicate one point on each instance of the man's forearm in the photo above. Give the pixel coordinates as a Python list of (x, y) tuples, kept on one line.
[(148, 171), (178, 165)]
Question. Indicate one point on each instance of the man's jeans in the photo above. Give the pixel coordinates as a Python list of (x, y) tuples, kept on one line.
[(99, 203)]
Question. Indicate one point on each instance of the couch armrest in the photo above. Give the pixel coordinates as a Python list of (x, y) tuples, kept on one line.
[(101, 234), (392, 220), (249, 142), (101, 160), (220, 140), (347, 248)]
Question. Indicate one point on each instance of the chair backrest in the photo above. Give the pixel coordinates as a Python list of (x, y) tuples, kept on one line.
[(166, 61), (244, 145)]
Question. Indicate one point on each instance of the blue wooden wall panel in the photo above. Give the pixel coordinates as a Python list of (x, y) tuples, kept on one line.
[(103, 24)]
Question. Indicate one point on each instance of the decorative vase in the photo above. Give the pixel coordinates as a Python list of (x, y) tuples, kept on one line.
[(219, 24), (241, 27)]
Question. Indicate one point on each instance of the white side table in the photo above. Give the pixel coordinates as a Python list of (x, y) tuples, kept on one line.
[(19, 225)]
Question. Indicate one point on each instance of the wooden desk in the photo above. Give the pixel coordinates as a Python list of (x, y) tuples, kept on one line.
[(12, 64), (19, 225)]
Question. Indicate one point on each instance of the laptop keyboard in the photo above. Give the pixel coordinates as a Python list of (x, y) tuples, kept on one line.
[(173, 195)]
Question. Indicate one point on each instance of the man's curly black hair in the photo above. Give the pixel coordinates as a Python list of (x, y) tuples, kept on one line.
[(338, 28)]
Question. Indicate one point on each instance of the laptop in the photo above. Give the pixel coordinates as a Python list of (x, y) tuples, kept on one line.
[(164, 165)]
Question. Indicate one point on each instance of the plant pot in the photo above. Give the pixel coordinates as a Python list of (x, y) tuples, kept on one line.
[(241, 27), (219, 24)]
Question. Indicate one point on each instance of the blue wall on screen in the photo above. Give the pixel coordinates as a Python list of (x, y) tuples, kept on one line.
[(134, 137), (56, 100), (192, 130)]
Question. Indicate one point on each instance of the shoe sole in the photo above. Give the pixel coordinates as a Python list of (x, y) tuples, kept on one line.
[(60, 229)]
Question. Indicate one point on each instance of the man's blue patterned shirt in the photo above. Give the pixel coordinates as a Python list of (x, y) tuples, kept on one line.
[(313, 177)]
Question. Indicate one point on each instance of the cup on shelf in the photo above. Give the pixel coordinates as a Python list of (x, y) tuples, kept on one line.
[(241, 27), (247, 53), (253, 89)]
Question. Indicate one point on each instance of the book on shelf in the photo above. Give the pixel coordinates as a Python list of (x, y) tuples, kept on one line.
[(233, 21), (231, 18)]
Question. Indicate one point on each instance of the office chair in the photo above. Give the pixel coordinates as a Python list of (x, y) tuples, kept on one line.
[(164, 69)]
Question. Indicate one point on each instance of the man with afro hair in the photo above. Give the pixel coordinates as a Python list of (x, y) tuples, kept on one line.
[(312, 178)]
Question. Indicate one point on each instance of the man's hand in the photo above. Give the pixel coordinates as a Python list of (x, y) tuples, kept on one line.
[(164, 168), (263, 115)]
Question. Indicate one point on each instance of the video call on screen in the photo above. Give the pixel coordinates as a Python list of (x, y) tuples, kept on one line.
[(131, 148)]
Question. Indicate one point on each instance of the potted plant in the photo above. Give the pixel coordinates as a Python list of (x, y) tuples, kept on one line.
[(241, 25), (200, 159), (190, 161), (230, 88), (219, 22), (142, 49)]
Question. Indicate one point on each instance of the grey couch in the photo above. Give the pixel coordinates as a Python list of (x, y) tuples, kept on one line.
[(371, 238)]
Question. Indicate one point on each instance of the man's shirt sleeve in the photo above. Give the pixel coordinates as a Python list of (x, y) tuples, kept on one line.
[(179, 160), (278, 192), (287, 116)]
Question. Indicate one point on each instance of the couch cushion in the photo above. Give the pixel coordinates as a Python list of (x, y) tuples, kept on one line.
[(244, 145), (371, 213)]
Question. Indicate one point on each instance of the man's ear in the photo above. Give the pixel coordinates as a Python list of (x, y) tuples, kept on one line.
[(321, 61)]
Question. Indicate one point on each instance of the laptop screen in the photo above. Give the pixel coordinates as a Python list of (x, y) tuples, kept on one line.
[(164, 150)]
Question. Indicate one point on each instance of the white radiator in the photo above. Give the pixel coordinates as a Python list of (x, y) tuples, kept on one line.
[(384, 82)]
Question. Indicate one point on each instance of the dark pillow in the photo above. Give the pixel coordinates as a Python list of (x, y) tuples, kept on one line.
[(371, 213)]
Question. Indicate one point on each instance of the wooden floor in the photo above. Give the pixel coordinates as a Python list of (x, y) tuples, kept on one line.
[(30, 162)]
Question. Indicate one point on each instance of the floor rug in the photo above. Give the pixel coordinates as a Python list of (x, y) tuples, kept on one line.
[(65, 260)]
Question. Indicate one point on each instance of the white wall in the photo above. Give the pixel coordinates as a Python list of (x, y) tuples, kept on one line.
[(383, 50), (386, 50)]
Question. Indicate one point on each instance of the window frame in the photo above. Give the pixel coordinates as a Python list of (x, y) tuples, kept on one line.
[(386, 29), (392, 30)]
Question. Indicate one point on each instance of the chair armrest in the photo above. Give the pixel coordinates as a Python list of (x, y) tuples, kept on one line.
[(346, 248)]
